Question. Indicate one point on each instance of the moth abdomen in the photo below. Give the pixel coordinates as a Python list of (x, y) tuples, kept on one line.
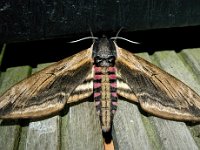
[(105, 94)]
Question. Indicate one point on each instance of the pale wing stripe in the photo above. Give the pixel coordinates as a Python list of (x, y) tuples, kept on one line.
[(81, 92), (124, 90)]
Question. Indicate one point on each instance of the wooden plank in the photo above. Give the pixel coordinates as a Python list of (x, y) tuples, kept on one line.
[(174, 135), (195, 131), (129, 128), (10, 130), (61, 18), (43, 134), (192, 57), (81, 128)]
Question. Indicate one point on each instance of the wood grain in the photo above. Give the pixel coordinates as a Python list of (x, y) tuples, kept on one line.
[(81, 128)]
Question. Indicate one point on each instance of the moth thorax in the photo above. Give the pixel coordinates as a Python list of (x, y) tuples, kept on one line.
[(104, 53), (105, 94)]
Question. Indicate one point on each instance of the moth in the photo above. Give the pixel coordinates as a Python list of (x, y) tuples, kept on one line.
[(105, 71)]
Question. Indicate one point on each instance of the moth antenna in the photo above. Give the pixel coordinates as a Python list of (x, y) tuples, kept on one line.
[(122, 38), (85, 38), (91, 33), (118, 34), (119, 31)]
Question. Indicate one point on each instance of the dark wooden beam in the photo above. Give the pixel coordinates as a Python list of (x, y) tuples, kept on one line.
[(35, 19)]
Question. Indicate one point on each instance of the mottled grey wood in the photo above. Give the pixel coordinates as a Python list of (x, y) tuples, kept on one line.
[(192, 59), (36, 19), (81, 128), (195, 131), (44, 134), (175, 135), (10, 130), (129, 129)]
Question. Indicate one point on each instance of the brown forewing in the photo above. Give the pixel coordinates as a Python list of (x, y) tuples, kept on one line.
[(157, 91), (47, 91)]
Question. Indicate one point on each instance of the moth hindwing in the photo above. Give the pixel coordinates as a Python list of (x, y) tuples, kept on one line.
[(106, 71)]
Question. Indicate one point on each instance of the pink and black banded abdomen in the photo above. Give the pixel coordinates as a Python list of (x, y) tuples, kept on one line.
[(105, 94)]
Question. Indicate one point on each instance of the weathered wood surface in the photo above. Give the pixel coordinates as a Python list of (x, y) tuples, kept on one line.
[(35, 19), (77, 127)]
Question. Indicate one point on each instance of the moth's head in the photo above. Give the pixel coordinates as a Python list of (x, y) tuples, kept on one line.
[(104, 52)]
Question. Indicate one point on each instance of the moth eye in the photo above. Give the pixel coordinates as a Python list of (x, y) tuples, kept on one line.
[(98, 59), (111, 59)]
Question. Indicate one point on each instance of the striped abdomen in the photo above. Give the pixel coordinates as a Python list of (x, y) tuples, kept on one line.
[(105, 94)]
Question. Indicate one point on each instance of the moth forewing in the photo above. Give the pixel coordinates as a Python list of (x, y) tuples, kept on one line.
[(157, 91), (48, 90)]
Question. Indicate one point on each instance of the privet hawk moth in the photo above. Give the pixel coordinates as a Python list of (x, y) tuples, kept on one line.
[(105, 71)]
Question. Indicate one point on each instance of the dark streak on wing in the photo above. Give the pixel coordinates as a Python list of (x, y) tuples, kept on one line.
[(41, 84)]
